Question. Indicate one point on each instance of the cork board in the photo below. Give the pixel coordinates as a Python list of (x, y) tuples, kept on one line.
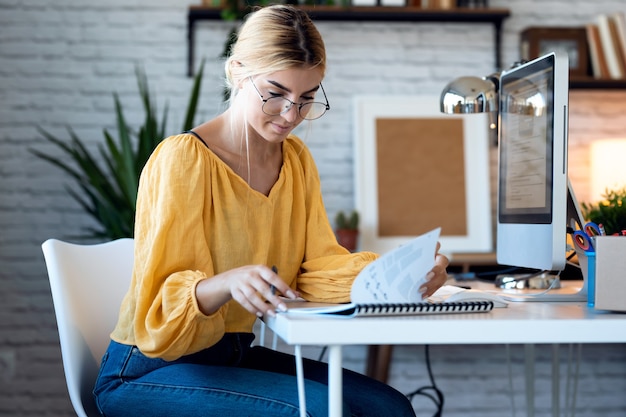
[(413, 154), (417, 169)]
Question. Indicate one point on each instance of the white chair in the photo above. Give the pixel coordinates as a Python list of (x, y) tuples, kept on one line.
[(88, 283)]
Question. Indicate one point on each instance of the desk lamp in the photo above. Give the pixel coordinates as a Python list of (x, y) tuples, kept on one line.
[(466, 95), (471, 95)]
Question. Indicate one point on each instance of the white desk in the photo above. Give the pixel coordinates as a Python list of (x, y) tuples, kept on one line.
[(520, 323)]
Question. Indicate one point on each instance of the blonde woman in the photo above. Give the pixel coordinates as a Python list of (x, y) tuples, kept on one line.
[(225, 212)]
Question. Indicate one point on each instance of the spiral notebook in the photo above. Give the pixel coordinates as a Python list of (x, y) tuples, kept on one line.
[(401, 309), (389, 286)]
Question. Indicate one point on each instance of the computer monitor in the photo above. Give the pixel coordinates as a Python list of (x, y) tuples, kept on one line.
[(535, 201)]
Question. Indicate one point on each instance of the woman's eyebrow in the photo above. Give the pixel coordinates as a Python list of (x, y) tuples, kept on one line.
[(282, 87)]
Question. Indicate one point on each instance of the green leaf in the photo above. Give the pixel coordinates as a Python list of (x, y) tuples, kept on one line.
[(610, 212), (194, 99), (106, 184)]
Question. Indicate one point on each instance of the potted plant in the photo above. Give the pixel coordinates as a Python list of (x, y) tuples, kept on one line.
[(347, 229), (108, 194), (610, 212)]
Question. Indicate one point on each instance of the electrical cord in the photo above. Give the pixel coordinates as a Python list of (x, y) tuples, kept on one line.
[(437, 396), (322, 353)]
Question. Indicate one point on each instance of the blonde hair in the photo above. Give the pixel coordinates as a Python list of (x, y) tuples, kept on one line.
[(274, 38)]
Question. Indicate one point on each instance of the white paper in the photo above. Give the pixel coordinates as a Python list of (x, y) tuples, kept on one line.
[(396, 276)]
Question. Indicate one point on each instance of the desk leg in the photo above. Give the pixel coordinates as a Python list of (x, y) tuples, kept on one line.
[(556, 381), (530, 379), (300, 379), (556, 388), (335, 382)]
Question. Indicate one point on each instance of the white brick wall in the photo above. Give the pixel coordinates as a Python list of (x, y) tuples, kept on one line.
[(60, 62)]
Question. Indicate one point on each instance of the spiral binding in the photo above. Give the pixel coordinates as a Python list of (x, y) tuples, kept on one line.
[(423, 308)]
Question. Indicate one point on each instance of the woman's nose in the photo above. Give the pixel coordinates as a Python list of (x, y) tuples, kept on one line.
[(292, 113)]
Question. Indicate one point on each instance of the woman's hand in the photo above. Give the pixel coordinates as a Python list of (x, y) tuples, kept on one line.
[(256, 287), (437, 276)]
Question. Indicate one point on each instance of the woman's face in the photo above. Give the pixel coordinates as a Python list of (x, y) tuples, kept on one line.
[(296, 85)]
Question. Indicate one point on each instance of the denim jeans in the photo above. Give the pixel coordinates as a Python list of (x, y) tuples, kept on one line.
[(231, 379)]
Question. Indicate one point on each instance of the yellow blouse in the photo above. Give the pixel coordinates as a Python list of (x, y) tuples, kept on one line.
[(196, 218)]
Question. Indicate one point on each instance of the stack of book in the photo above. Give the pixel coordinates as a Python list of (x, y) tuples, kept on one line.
[(606, 37)]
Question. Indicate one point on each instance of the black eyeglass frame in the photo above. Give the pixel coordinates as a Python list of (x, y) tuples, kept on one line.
[(265, 100)]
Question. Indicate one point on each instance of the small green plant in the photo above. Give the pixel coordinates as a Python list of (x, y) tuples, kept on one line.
[(610, 212), (109, 193), (347, 222)]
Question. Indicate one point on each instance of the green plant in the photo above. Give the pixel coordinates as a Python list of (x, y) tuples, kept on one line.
[(109, 193), (347, 222), (610, 212)]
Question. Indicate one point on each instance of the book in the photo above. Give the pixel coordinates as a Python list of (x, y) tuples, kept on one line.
[(607, 40), (618, 25), (596, 52), (389, 286), (617, 43)]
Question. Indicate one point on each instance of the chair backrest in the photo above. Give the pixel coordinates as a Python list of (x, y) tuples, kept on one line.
[(87, 283)]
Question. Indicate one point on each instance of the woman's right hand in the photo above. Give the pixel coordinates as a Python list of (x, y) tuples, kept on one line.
[(251, 286)]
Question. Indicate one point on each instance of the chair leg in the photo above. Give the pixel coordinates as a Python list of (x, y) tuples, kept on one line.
[(378, 361)]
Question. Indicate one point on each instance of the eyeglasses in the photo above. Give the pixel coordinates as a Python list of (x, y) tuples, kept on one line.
[(310, 110)]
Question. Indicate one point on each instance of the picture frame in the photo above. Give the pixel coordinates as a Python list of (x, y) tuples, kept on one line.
[(416, 169), (537, 41)]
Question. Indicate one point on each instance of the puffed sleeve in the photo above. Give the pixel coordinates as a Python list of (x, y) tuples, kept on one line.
[(172, 253), (328, 269)]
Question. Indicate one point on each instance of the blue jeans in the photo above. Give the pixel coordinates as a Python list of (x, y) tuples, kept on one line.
[(231, 379)]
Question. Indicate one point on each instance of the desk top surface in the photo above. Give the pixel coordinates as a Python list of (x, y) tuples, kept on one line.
[(520, 322)]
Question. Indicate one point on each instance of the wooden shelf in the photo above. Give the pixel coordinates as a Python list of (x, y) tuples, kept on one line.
[(589, 83), (370, 14)]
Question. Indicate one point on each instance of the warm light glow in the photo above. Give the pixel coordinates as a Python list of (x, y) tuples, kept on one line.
[(608, 167)]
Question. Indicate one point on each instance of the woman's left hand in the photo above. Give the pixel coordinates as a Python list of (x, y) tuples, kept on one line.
[(437, 276)]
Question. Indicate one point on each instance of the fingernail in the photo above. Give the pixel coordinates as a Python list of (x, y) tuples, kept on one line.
[(291, 294), (430, 276), (282, 307)]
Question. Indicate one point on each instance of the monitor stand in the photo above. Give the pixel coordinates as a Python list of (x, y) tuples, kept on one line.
[(551, 294), (553, 290), (542, 280)]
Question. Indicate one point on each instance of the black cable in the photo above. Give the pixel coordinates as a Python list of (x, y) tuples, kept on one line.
[(488, 276), (509, 270), (437, 398), (322, 353)]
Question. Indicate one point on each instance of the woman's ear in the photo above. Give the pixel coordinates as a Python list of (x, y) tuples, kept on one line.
[(235, 70)]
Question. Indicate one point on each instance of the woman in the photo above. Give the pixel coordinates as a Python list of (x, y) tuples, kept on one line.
[(225, 214)]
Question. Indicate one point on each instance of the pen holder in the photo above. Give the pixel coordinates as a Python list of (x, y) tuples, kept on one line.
[(606, 270)]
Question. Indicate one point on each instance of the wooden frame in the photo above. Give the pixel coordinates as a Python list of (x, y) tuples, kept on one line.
[(537, 41), (417, 169)]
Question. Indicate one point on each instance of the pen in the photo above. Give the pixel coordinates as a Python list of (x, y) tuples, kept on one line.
[(272, 287)]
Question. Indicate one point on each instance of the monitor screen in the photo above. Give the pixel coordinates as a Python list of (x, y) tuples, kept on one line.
[(532, 181)]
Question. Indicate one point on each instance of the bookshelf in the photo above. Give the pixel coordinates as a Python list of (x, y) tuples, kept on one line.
[(589, 83), (369, 14), (581, 42)]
